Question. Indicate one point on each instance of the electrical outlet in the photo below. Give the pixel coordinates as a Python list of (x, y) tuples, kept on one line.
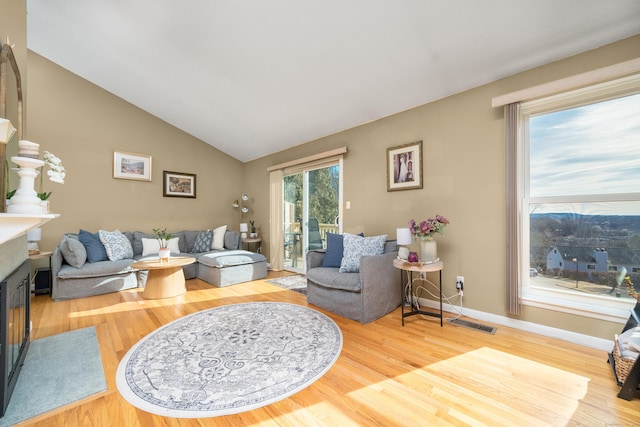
[(460, 283)]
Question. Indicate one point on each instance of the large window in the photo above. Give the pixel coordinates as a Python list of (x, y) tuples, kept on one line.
[(580, 171)]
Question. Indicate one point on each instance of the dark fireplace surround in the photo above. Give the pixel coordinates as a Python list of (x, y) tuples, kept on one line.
[(15, 329)]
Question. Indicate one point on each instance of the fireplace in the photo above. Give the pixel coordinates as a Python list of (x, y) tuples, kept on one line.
[(15, 328)]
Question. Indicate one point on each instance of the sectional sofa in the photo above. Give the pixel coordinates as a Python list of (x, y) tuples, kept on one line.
[(80, 269)]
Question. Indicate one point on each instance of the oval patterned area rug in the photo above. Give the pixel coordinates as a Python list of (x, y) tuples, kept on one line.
[(228, 359)]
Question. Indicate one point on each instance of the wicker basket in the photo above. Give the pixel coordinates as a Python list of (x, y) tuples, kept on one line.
[(623, 365)]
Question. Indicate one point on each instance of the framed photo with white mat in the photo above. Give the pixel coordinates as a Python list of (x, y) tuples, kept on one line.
[(404, 167)]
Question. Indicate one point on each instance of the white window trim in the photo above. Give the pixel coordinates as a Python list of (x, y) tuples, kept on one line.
[(607, 308), (587, 78), (601, 307)]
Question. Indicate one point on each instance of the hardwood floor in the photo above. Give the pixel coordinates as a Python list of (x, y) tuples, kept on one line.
[(386, 375)]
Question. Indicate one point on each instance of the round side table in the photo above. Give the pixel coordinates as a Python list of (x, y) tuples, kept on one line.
[(406, 276), (255, 240)]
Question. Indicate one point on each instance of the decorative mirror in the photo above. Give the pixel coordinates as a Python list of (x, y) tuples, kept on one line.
[(8, 59)]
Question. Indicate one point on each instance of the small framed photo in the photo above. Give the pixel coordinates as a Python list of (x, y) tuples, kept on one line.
[(178, 184), (404, 167), (131, 166)]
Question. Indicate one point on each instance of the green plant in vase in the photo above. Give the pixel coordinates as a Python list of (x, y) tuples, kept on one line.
[(163, 237), (163, 240)]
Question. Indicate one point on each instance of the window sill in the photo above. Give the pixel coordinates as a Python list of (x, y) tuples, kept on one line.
[(607, 308)]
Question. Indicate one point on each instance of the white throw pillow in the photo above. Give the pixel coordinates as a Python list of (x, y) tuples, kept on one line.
[(152, 246), (218, 237)]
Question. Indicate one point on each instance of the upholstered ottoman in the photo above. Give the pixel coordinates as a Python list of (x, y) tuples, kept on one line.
[(231, 267)]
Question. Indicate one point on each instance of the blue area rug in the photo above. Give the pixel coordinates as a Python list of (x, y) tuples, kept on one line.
[(229, 359), (57, 371)]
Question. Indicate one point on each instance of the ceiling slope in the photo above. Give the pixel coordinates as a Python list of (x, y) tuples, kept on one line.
[(254, 77)]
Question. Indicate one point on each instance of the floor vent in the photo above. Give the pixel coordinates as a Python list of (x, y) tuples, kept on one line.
[(472, 325)]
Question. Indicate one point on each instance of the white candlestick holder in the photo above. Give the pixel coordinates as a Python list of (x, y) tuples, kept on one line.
[(26, 200)]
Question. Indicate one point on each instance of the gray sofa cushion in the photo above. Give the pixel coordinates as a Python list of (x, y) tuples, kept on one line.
[(229, 258), (331, 277), (231, 240), (189, 241), (73, 252), (95, 269)]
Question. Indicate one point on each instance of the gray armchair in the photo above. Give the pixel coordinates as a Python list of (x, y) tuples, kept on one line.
[(364, 296)]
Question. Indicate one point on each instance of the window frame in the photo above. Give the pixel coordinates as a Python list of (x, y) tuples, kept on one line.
[(603, 307)]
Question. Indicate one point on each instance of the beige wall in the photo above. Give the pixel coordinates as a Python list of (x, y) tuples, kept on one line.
[(464, 180), (83, 124)]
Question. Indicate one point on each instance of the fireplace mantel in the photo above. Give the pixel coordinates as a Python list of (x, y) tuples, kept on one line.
[(13, 225)]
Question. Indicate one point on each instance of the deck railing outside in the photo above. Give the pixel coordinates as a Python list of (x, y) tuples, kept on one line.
[(293, 257)]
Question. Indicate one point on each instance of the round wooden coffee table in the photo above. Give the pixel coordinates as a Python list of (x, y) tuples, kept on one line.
[(166, 278)]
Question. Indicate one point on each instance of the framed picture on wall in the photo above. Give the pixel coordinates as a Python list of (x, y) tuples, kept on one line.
[(178, 184), (404, 167), (131, 166)]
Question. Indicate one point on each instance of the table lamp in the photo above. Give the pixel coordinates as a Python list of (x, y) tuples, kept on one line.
[(33, 237), (403, 239), (244, 228)]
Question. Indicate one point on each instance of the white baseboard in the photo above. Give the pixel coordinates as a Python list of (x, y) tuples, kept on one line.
[(547, 331)]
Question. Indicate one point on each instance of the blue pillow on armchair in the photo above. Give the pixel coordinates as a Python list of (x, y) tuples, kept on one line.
[(335, 249), (92, 243)]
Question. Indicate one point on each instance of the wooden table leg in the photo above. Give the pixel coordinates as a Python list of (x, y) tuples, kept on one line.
[(165, 283)]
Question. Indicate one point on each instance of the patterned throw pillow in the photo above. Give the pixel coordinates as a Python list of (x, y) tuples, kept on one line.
[(357, 246), (116, 244), (203, 242)]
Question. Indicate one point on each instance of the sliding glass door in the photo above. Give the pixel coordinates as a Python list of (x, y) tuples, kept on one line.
[(311, 209)]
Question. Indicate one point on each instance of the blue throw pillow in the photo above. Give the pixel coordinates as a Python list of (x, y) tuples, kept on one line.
[(95, 249), (333, 255), (335, 248)]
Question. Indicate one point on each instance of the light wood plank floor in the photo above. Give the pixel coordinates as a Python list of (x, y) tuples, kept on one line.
[(387, 375)]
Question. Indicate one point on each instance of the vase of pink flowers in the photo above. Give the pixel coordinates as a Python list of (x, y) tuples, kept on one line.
[(424, 231)]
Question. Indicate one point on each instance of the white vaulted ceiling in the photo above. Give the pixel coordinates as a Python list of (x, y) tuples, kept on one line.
[(253, 77)]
